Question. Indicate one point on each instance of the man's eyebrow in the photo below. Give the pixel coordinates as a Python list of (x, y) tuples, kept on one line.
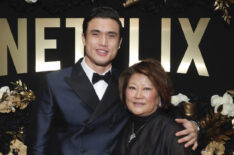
[(113, 32), (109, 32), (95, 30)]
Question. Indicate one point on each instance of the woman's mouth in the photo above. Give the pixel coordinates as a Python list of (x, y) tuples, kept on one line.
[(138, 104)]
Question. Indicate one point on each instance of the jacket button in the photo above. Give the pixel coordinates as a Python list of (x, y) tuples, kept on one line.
[(82, 150)]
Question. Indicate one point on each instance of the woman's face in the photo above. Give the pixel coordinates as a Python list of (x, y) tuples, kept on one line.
[(141, 96)]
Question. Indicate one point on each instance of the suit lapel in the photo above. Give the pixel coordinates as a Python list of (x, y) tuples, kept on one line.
[(80, 83), (82, 86), (110, 97)]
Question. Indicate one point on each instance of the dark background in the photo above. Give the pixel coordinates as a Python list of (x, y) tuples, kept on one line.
[(216, 46)]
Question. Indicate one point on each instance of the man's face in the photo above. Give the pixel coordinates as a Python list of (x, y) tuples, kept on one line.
[(101, 42)]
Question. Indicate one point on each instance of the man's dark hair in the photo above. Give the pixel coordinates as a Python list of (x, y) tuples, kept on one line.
[(102, 12)]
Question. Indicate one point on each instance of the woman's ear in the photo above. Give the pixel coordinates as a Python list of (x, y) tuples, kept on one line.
[(159, 102)]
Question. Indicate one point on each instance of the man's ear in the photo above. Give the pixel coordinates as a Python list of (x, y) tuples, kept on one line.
[(83, 39)]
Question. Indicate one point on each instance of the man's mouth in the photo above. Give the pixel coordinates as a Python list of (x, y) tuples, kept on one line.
[(101, 52)]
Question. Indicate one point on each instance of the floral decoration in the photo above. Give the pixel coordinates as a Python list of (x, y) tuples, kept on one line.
[(184, 106), (130, 2), (217, 124), (176, 99), (223, 7), (14, 116), (19, 98), (219, 148), (226, 101), (4, 90), (31, 1), (17, 146)]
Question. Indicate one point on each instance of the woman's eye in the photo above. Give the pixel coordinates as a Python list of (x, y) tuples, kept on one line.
[(147, 88)]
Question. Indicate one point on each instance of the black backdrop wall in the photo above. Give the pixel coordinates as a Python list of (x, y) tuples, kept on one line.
[(216, 44), (193, 42)]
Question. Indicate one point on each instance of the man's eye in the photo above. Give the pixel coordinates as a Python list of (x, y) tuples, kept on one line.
[(131, 88), (95, 33), (111, 35)]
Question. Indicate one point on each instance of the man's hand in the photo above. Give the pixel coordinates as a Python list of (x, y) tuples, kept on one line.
[(190, 133)]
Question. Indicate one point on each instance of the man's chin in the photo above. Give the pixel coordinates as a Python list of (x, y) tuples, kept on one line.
[(103, 64)]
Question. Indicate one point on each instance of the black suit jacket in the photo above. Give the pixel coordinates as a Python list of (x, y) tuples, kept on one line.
[(69, 119)]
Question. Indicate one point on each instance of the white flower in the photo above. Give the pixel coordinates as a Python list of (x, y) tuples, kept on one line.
[(226, 101), (231, 111), (227, 98), (176, 99), (3, 90), (216, 101), (31, 1), (226, 108)]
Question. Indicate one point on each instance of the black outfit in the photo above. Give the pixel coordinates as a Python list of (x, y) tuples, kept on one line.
[(154, 135)]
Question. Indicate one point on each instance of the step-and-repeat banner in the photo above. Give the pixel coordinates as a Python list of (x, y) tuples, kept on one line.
[(194, 43)]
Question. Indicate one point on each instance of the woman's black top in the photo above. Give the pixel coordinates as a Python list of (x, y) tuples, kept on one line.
[(152, 135)]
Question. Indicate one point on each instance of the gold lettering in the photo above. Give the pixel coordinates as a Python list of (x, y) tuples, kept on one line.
[(18, 55), (42, 44), (134, 41), (193, 52), (122, 21), (166, 43), (77, 24)]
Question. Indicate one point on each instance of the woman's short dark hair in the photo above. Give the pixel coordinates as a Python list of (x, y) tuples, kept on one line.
[(156, 74), (102, 12)]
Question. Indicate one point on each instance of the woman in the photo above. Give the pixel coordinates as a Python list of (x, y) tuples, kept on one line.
[(145, 89)]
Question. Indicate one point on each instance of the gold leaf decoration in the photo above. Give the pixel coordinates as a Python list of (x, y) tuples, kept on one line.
[(231, 92), (130, 2), (17, 146), (231, 1), (214, 147), (223, 6), (20, 97), (213, 123)]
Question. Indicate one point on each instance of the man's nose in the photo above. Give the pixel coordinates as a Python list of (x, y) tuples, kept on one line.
[(103, 40)]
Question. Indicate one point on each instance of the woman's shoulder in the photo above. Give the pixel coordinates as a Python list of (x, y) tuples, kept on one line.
[(163, 116), (165, 121)]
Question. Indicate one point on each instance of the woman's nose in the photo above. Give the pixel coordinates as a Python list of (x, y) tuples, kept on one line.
[(138, 93)]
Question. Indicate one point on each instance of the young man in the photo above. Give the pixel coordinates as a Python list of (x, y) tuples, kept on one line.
[(77, 113)]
